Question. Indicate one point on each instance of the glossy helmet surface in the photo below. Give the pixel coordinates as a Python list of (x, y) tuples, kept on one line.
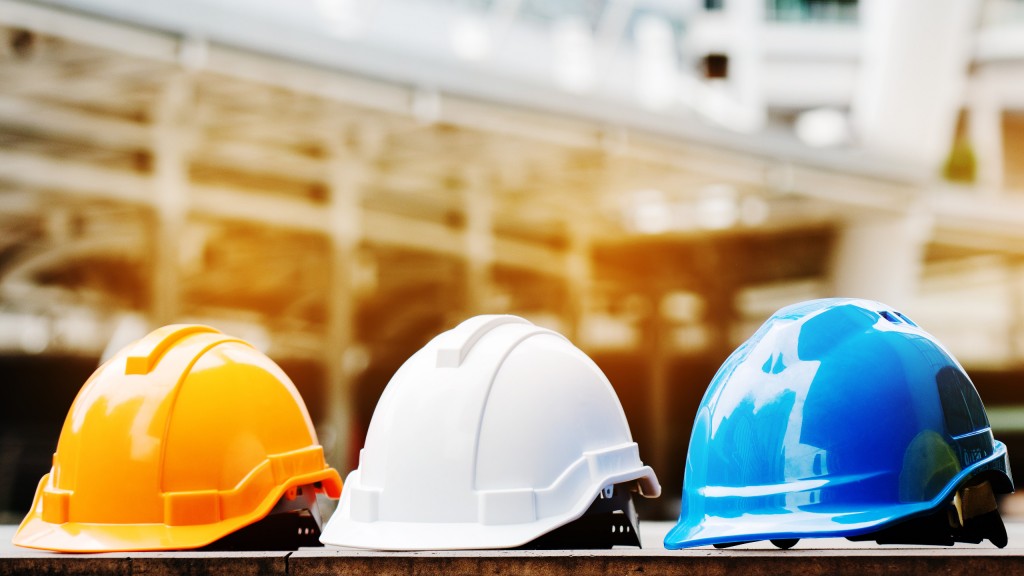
[(838, 417), (495, 434), (183, 438)]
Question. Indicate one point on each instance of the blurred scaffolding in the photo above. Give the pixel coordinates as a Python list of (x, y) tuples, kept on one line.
[(338, 181)]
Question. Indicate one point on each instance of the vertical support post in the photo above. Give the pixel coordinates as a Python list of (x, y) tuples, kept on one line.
[(746, 62), (578, 277), (985, 127), (347, 174), (914, 62), (478, 203), (658, 402), (171, 188), (1016, 327), (880, 257)]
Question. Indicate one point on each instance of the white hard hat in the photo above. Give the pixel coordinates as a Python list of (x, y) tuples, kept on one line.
[(494, 434)]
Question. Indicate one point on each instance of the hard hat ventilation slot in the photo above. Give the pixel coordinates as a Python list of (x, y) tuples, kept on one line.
[(890, 317), (622, 528), (905, 319)]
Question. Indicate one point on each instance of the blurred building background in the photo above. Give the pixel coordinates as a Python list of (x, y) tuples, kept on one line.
[(337, 181)]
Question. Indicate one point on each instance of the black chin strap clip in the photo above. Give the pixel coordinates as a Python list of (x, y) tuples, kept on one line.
[(610, 521)]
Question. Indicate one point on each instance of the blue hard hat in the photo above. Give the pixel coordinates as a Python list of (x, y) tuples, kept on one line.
[(841, 417)]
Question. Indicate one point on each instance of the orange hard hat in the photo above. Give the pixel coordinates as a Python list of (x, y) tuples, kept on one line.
[(181, 439)]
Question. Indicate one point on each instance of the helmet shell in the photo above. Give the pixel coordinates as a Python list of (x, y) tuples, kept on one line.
[(836, 418), (493, 434), (180, 439)]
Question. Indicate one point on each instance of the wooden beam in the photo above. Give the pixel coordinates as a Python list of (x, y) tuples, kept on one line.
[(118, 38), (387, 229), (67, 123), (50, 173)]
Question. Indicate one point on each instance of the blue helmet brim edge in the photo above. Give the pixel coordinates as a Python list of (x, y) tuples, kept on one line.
[(996, 466)]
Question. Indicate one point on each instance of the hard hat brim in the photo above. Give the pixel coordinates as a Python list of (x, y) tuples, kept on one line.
[(700, 530), (34, 532), (343, 531)]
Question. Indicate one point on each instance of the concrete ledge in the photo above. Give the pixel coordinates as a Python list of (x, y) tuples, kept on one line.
[(729, 562), (811, 557), (154, 564), (756, 562)]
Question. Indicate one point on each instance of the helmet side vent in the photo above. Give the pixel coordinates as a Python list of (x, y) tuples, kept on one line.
[(895, 317), (890, 317), (907, 320)]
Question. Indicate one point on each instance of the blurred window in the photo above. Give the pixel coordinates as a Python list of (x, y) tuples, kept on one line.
[(812, 10)]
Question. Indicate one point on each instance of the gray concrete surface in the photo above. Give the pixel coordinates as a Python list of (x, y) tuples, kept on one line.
[(820, 556)]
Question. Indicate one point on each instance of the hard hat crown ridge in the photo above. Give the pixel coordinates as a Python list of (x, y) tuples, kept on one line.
[(841, 417), (495, 433), (179, 440)]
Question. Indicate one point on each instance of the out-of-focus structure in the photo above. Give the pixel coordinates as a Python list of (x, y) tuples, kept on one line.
[(337, 181)]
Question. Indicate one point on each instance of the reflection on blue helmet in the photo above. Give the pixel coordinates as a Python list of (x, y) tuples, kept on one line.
[(838, 417)]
